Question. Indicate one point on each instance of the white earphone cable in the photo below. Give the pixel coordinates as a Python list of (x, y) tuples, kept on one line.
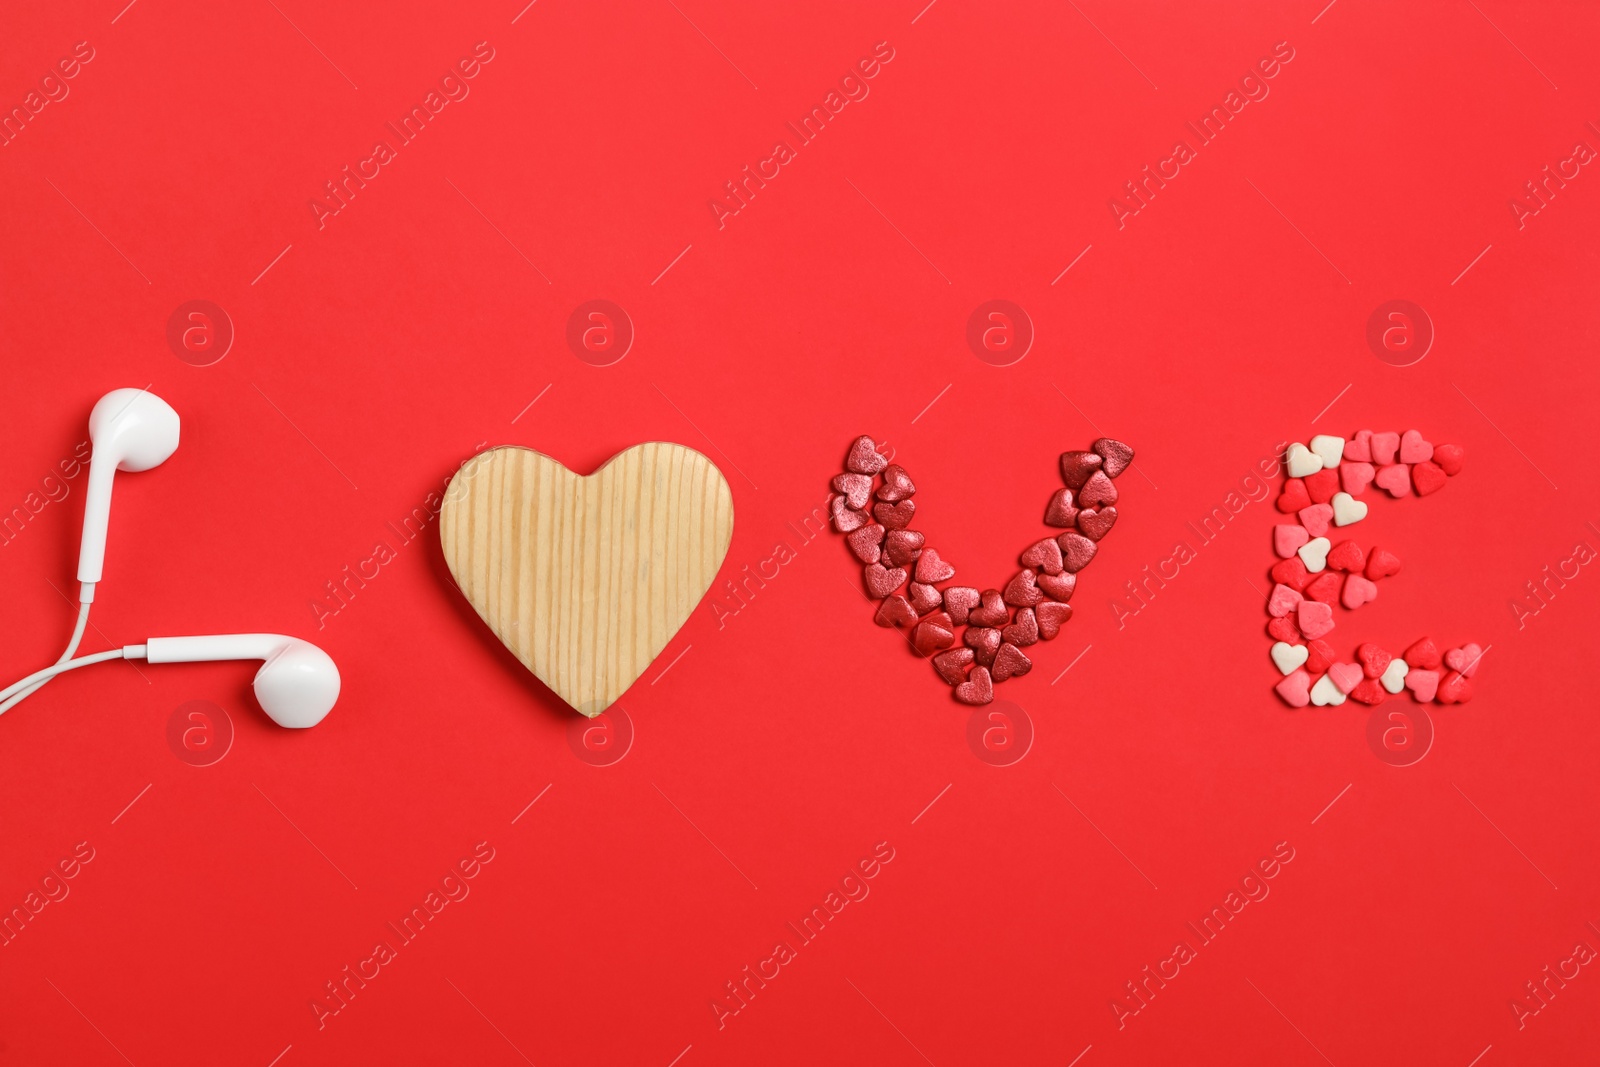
[(38, 678), (72, 650)]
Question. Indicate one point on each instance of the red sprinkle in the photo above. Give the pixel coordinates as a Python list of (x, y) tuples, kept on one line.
[(895, 516), (1060, 511), (1021, 591), (1010, 662), (977, 689), (1294, 497), (903, 546), (1076, 467), (1058, 586), (897, 484), (1097, 491), (1324, 587), (1023, 632), (1424, 654), (846, 518), (895, 611), (1292, 573), (1116, 454), (924, 598), (1374, 660), (1347, 556), (1320, 486), (952, 665), (992, 611), (984, 642), (864, 458), (1382, 563), (865, 541), (1076, 551), (1095, 523), (1043, 556), (930, 568), (933, 633), (1049, 616), (881, 581), (958, 601), (857, 488), (1449, 458)]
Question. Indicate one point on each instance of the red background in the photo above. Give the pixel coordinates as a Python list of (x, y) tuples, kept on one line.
[(377, 352)]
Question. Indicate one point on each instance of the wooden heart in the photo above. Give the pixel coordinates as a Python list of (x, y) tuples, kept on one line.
[(586, 578)]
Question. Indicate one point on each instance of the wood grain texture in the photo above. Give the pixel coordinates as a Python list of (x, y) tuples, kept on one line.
[(586, 578)]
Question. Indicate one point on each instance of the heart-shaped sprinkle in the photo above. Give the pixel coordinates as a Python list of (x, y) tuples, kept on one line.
[(1097, 492), (1322, 485), (1314, 553), (1021, 591), (1321, 656), (1024, 631), (977, 689), (1292, 573), (1043, 556), (1314, 618), (990, 611), (1010, 662), (1076, 551), (865, 541), (1358, 591), (1060, 511), (1395, 478), (958, 601), (1424, 654), (857, 489), (1428, 477), (1374, 660), (1422, 683), (952, 665), (894, 516), (1347, 509), (1345, 675), (1449, 458), (845, 517), (1326, 694), (1282, 600), (924, 598), (1301, 461), (1294, 496), (1413, 449), (1368, 691), (897, 484), (1384, 446), (1324, 588), (1076, 467), (1394, 675), (1454, 689), (1289, 658), (984, 642), (1355, 477), (881, 581), (1058, 587), (1287, 537), (1095, 523), (933, 633), (930, 568), (1328, 448), (1347, 556), (1359, 448), (1382, 563), (1315, 518), (1464, 660), (864, 458), (1117, 455), (895, 611), (903, 546), (1295, 689), (1049, 616), (1282, 629)]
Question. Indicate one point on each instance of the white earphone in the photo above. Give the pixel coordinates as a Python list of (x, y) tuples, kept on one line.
[(134, 430)]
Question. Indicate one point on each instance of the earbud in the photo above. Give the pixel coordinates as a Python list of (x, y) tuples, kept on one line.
[(296, 685), (132, 430)]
